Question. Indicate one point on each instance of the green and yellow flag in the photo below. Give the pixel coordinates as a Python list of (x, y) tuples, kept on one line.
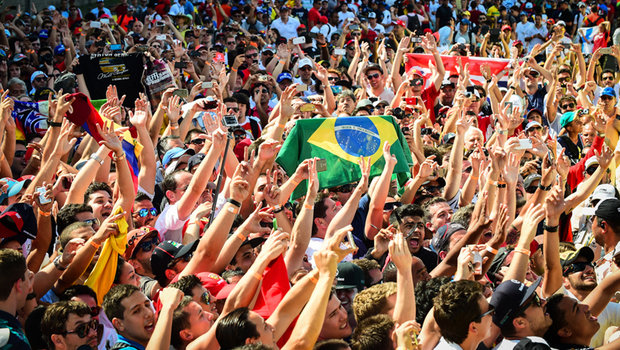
[(341, 142)]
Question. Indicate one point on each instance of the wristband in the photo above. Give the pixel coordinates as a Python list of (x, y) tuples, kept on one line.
[(94, 244), (282, 62), (544, 188), (294, 182), (53, 124), (233, 69), (281, 126), (44, 213), (474, 177), (314, 280), (234, 202), (491, 250), (241, 237), (308, 206), (512, 87), (551, 228), (257, 275), (233, 210), (57, 264), (117, 158), (96, 158), (522, 251), (277, 209), (32, 295), (503, 132)]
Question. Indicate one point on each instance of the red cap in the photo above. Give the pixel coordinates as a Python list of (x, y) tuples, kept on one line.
[(506, 27), (323, 19), (428, 30), (302, 26), (550, 21), (212, 282), (399, 23), (517, 42), (350, 42), (225, 291)]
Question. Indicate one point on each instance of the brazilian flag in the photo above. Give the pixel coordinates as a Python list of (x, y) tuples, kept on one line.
[(341, 142)]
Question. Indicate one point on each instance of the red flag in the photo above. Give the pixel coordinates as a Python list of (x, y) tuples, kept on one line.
[(421, 62)]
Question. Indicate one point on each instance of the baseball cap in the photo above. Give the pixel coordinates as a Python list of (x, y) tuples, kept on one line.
[(416, 71), (609, 210), (581, 4), (466, 13), (551, 21), (60, 50), (591, 161), (175, 153), (448, 138), (529, 5), (373, 66), (166, 252), (567, 118), (608, 91), (323, 19), (506, 27), (135, 237), (399, 23), (44, 34), (381, 102), (225, 291), (195, 160), (305, 62), (569, 257), (517, 42), (17, 186), (446, 82), (532, 124), (441, 239), (211, 281), (364, 103), (349, 275), (560, 23), (602, 192), (301, 26), (269, 48), (527, 182), (19, 57), (36, 74), (18, 221), (372, 15), (509, 297), (283, 76)]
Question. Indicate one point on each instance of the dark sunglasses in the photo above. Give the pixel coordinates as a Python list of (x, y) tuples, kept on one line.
[(83, 329), (433, 188), (19, 154), (240, 136), (197, 141), (40, 79), (535, 301), (206, 298), (417, 82), (186, 258), (356, 34), (344, 188), (332, 78), (94, 311), (253, 55), (490, 311), (534, 74), (373, 76), (230, 43), (608, 78), (531, 189), (234, 109), (149, 245), (145, 212), (568, 105), (607, 98), (577, 267)]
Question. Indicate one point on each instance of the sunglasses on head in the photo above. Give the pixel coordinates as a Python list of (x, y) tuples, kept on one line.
[(83, 329), (568, 105), (197, 141), (577, 267), (373, 76), (145, 212)]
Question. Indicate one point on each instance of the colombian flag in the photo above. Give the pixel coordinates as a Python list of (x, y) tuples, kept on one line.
[(85, 115), (341, 142)]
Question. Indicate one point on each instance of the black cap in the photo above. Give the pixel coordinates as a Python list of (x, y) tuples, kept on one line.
[(373, 66), (166, 252), (195, 160), (349, 275), (509, 297), (18, 222), (441, 239), (609, 210), (569, 257)]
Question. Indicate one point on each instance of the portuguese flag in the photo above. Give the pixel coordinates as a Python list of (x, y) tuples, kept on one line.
[(341, 142)]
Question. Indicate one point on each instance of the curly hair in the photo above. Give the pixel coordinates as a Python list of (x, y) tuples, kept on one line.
[(456, 306), (373, 333), (372, 301), (425, 292)]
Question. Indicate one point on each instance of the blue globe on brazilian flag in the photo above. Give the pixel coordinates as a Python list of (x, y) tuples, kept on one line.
[(341, 142)]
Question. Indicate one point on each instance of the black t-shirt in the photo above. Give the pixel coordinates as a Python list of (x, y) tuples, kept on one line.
[(444, 14), (566, 16), (120, 69)]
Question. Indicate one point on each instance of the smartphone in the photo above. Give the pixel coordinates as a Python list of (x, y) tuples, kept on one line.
[(567, 46), (219, 57), (161, 37), (416, 40), (351, 240), (340, 52), (410, 101), (182, 93), (299, 40), (524, 144), (105, 20), (321, 165), (210, 103), (354, 27), (115, 47), (301, 88), (160, 23), (307, 107), (263, 78), (95, 24), (606, 51), (230, 120), (336, 89), (494, 35), (180, 65), (207, 85), (509, 104), (42, 198), (477, 262)]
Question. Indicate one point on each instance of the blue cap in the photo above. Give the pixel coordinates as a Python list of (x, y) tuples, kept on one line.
[(602, 7), (608, 91), (174, 154), (44, 34), (465, 21), (10, 182), (59, 50), (17, 186), (283, 76), (2, 53), (567, 118), (36, 74)]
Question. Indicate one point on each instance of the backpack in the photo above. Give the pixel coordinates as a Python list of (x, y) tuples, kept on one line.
[(413, 23), (527, 344)]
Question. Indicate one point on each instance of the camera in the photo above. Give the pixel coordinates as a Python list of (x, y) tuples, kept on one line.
[(230, 121), (398, 113)]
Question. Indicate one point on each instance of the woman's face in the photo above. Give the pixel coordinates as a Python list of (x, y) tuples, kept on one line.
[(137, 27)]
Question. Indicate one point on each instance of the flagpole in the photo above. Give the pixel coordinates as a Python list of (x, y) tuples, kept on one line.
[(229, 136)]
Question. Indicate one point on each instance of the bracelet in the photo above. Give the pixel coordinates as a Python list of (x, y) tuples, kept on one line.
[(544, 188), (491, 250), (44, 213), (282, 62), (551, 228), (241, 237), (308, 206), (96, 158), (281, 126), (512, 87), (314, 280), (233, 69), (117, 158), (522, 251), (32, 295), (323, 45), (53, 124), (234, 202), (474, 177), (174, 126), (503, 132), (257, 275), (294, 182), (57, 264), (277, 209), (94, 244)]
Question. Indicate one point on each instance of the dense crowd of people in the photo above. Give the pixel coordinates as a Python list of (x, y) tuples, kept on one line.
[(326, 174)]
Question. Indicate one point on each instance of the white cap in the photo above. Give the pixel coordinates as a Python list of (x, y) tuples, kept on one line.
[(305, 62), (591, 161), (603, 191)]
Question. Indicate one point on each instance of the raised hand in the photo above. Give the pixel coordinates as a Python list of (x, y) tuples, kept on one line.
[(64, 144), (111, 137), (428, 167), (334, 243), (313, 179), (511, 169), (170, 297), (390, 159), (326, 262), (268, 150), (365, 169), (554, 205), (240, 188), (276, 244), (399, 252), (108, 227)]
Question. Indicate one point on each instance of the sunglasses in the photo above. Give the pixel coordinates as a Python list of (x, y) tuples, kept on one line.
[(264, 91), (531, 189), (92, 222), (608, 78), (391, 206), (145, 212), (490, 311), (344, 189), (306, 68), (197, 141), (230, 43), (40, 79), (206, 298), (577, 267), (185, 258), (240, 136), (233, 109), (94, 311), (535, 301), (254, 55), (373, 76), (568, 105), (563, 80), (433, 188), (356, 34), (591, 170), (83, 329), (149, 245), (607, 98), (534, 74), (19, 154), (332, 78)]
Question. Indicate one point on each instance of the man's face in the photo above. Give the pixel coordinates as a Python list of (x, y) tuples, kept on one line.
[(200, 321), (284, 14), (588, 135), (332, 209), (346, 104), (413, 230), (486, 321), (19, 163), (535, 131), (138, 320), (531, 78), (71, 340), (441, 214), (539, 320), (264, 94), (101, 202), (245, 257), (182, 180), (336, 323), (250, 56), (265, 330), (607, 102), (346, 297), (139, 219), (419, 271), (375, 78), (608, 79), (446, 95), (16, 90), (473, 138), (576, 126), (305, 72), (582, 276), (142, 254)]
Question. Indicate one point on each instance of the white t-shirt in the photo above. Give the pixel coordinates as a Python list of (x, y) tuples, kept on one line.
[(288, 29), (377, 29), (533, 31), (507, 344), (315, 245), (169, 225), (386, 95), (522, 31)]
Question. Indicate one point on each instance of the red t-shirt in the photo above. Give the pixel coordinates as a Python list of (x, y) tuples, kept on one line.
[(429, 95), (313, 17)]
